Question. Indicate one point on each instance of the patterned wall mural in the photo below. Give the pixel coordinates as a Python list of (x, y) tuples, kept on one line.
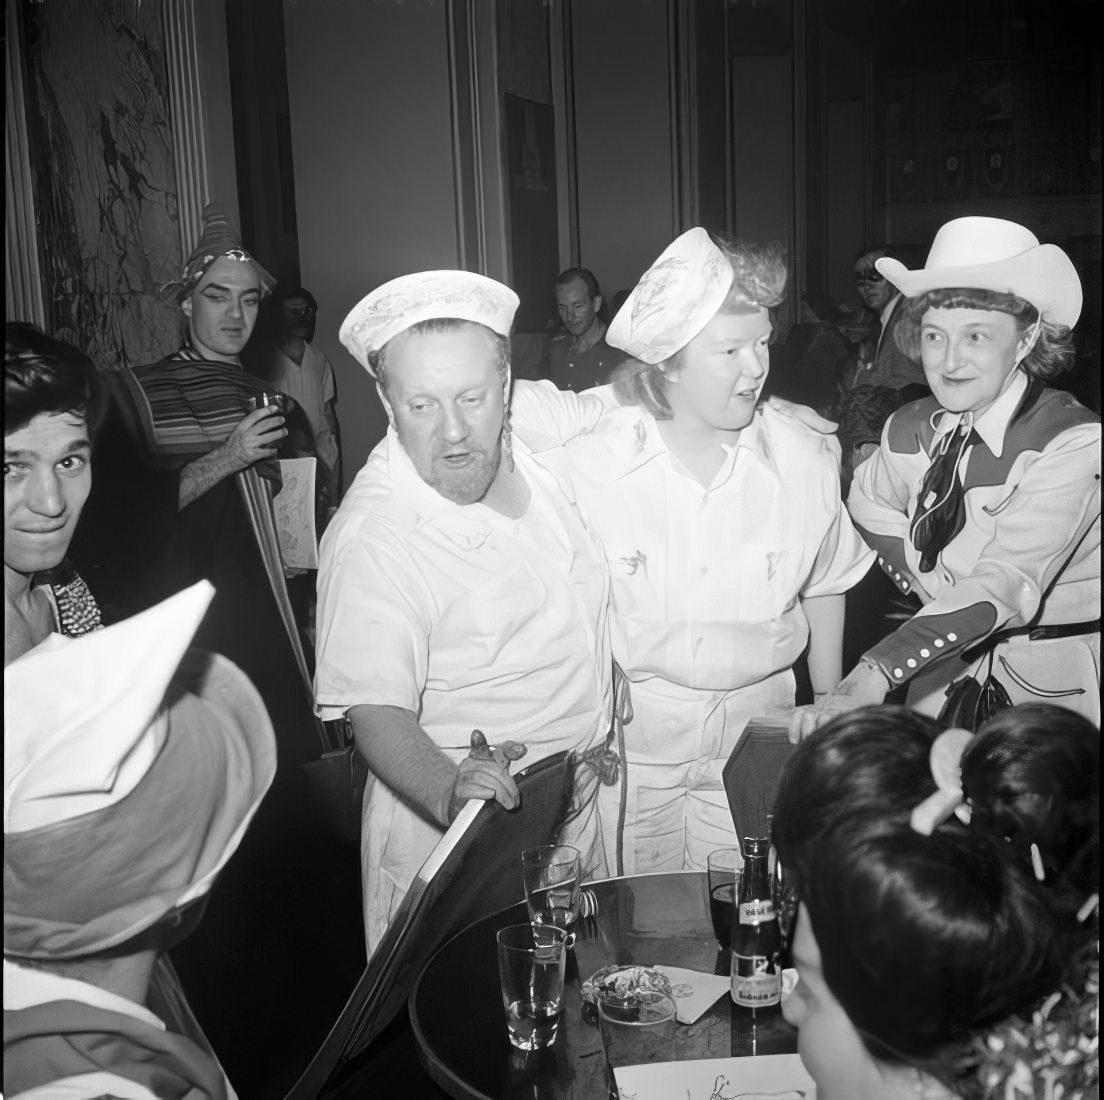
[(104, 178)]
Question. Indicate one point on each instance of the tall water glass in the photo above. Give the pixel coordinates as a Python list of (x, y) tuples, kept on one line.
[(531, 961), (551, 874)]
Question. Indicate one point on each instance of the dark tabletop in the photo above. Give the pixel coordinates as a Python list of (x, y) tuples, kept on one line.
[(458, 1021)]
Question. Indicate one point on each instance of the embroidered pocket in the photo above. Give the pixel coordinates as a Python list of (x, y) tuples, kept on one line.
[(1042, 693), (1000, 506)]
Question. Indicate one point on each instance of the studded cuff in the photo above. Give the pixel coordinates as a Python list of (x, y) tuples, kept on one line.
[(927, 638)]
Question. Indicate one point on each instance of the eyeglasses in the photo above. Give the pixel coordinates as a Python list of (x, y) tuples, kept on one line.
[(869, 275)]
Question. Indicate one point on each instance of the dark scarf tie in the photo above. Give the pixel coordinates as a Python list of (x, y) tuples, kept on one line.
[(941, 510)]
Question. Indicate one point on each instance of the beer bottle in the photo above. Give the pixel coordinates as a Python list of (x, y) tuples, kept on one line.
[(756, 940)]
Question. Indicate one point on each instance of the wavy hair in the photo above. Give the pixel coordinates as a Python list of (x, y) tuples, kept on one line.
[(759, 277), (1052, 354), (45, 375)]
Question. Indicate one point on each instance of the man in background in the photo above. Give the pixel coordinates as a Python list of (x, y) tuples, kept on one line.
[(883, 378), (579, 358), (296, 368)]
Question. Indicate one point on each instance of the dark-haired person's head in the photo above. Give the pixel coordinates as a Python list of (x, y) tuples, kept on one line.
[(873, 760), (51, 408), (1032, 777), (578, 300), (298, 313), (905, 945), (44, 375)]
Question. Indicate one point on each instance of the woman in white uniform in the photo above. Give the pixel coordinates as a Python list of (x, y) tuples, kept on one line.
[(984, 499), (725, 534)]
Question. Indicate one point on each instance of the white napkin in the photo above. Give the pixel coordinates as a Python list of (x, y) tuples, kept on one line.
[(694, 992)]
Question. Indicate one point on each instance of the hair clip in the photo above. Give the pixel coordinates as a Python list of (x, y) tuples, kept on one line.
[(1037, 863), (944, 759)]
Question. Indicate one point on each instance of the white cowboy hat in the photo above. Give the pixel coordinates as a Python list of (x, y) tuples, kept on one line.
[(994, 254)]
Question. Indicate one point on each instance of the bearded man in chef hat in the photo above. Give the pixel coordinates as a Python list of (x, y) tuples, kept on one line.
[(459, 589), (131, 772)]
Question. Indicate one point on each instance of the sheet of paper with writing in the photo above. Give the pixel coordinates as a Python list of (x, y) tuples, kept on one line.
[(767, 1077), (294, 511)]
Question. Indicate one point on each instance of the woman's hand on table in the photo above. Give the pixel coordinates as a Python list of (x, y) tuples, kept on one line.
[(864, 686)]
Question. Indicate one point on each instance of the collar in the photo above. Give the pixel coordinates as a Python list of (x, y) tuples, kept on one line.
[(468, 525), (642, 443), (888, 308), (992, 425), (25, 987), (598, 330)]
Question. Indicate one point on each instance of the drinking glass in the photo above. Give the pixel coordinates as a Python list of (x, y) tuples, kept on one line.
[(723, 867), (551, 876), (635, 1030), (531, 960)]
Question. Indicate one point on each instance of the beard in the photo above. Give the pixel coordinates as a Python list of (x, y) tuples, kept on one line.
[(467, 484)]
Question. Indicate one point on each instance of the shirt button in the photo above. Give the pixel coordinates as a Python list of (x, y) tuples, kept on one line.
[(938, 643), (897, 674), (952, 636), (702, 570), (911, 662), (925, 653)]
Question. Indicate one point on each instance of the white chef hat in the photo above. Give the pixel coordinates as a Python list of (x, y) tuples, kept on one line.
[(674, 300), (400, 303)]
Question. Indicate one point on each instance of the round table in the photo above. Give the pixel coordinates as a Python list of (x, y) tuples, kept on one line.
[(460, 1029)]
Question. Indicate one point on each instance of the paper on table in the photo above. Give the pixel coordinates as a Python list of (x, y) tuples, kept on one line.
[(694, 992), (768, 1076), (294, 511)]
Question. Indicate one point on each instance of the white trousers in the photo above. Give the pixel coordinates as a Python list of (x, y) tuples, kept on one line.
[(676, 746)]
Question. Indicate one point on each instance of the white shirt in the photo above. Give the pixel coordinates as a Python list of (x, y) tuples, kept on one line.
[(706, 581), (468, 619), (461, 615), (25, 987), (1029, 550), (311, 384)]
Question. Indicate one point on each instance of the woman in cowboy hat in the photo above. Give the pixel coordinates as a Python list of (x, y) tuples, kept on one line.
[(984, 499)]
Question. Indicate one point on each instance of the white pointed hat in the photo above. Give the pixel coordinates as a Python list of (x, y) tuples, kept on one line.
[(396, 305), (994, 254), (674, 300), (130, 776)]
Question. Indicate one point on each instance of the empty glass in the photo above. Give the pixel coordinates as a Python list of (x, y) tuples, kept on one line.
[(531, 962), (635, 1030), (551, 874)]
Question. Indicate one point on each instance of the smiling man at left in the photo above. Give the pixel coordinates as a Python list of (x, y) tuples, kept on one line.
[(51, 405)]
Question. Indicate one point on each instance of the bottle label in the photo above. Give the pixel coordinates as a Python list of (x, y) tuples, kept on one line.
[(759, 909), (756, 981)]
